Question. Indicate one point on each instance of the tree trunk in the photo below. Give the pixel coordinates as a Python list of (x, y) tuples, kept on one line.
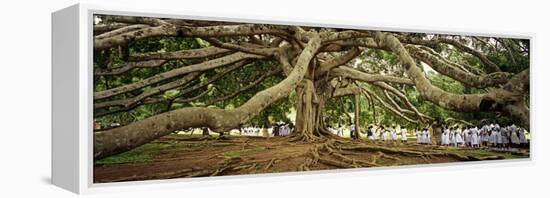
[(356, 135), (205, 131), (437, 131), (310, 123), (305, 111)]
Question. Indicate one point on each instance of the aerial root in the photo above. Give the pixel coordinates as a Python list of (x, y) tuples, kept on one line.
[(303, 137), (305, 166), (328, 161), (330, 153), (466, 157), (270, 163), (383, 149)]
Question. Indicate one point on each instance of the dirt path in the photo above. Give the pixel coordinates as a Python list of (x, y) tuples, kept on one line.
[(177, 156)]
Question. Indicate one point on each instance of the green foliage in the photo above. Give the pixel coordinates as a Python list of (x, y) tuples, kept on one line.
[(512, 55)]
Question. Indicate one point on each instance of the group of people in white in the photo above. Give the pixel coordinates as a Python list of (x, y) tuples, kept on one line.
[(281, 129), (278, 129), (251, 129), (491, 135), (386, 133)]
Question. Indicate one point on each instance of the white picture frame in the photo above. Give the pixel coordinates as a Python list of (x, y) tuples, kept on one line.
[(72, 120)]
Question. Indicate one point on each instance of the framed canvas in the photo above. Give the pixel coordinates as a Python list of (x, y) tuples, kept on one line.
[(149, 97)]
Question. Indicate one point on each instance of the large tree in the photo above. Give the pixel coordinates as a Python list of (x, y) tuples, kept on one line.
[(220, 75)]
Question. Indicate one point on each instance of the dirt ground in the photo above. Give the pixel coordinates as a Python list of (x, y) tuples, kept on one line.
[(178, 156)]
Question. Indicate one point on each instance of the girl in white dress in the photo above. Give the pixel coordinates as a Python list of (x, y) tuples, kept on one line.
[(403, 134), (484, 135), (459, 139), (445, 137), (393, 134), (428, 137), (370, 133), (493, 137), (467, 137), (498, 137), (387, 134), (474, 137), (423, 138), (382, 133)]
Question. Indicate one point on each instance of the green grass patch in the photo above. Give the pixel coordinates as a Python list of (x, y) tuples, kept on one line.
[(137, 155), (147, 152)]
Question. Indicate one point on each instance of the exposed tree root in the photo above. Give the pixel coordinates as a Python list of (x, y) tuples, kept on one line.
[(320, 153), (269, 164), (383, 149)]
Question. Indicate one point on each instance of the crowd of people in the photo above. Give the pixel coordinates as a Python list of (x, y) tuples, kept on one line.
[(385, 133), (491, 135), (251, 130), (281, 129), (278, 129)]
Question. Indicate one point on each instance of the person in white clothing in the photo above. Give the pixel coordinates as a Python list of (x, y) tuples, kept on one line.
[(370, 133), (422, 137), (403, 135), (459, 139), (467, 137), (393, 133), (498, 137), (428, 137), (340, 131), (382, 133), (445, 137), (484, 135), (474, 137)]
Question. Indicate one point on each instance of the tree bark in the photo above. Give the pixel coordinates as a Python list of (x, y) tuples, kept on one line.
[(357, 135), (305, 111)]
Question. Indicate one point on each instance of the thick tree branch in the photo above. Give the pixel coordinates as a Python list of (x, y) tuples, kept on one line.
[(182, 54), (479, 81), (386, 105), (351, 73), (121, 30), (496, 100), (337, 61), (173, 30), (246, 49), (207, 65), (149, 92), (403, 98), (127, 66), (490, 66), (138, 133)]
